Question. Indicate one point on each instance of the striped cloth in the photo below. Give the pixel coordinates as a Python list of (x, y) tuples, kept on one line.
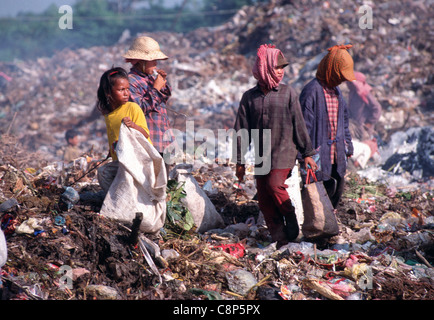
[(332, 110), (153, 104)]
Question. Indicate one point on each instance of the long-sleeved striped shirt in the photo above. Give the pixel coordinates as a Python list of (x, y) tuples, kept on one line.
[(153, 104), (332, 110)]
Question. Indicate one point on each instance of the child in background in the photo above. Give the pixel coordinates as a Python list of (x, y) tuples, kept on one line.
[(72, 151), (113, 96)]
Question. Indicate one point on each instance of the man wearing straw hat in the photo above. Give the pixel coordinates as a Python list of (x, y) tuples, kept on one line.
[(149, 87)]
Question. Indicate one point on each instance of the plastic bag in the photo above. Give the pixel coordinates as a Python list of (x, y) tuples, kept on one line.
[(204, 213), (319, 217), (140, 183), (293, 189), (3, 249)]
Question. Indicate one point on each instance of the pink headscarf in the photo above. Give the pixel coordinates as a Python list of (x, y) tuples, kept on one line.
[(360, 86), (263, 70)]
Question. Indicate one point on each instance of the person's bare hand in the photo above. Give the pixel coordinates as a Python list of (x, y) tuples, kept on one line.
[(162, 73), (160, 81), (309, 162), (240, 171), (128, 122)]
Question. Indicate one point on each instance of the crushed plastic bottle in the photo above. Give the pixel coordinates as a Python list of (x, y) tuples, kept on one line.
[(8, 204), (389, 221), (69, 198), (240, 281)]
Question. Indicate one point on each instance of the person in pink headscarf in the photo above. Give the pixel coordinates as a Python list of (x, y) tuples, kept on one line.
[(273, 111), (364, 113), (269, 67), (364, 109)]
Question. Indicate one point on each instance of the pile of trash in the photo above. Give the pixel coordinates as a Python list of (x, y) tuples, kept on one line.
[(406, 161), (210, 68), (58, 245)]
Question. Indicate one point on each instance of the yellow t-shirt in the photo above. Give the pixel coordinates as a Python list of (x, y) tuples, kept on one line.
[(113, 122)]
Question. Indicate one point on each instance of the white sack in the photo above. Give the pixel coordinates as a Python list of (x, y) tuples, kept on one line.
[(140, 183), (362, 153), (205, 215), (293, 183), (3, 249)]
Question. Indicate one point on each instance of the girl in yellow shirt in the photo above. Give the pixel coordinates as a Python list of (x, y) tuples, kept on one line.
[(113, 95)]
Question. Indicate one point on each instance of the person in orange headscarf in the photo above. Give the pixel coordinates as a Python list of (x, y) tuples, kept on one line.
[(326, 115)]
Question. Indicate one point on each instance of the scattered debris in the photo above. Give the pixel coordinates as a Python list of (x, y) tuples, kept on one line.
[(384, 248), (60, 247)]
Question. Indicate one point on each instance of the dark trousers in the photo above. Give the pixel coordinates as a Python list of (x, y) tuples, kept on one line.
[(274, 202), (335, 187)]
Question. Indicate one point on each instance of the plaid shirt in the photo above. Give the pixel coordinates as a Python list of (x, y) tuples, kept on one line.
[(153, 103), (314, 107), (278, 110), (332, 110)]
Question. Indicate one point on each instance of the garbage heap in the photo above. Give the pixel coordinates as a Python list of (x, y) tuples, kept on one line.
[(210, 68), (59, 247), (69, 251)]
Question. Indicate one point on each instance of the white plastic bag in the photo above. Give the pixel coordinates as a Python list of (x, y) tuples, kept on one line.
[(3, 249), (140, 183), (205, 215), (294, 192)]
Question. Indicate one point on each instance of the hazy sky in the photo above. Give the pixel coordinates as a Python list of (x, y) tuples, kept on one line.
[(9, 8)]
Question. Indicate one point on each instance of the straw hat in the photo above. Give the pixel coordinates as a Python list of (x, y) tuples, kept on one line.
[(145, 48)]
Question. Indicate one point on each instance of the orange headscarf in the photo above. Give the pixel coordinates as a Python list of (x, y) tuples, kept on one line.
[(336, 67)]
